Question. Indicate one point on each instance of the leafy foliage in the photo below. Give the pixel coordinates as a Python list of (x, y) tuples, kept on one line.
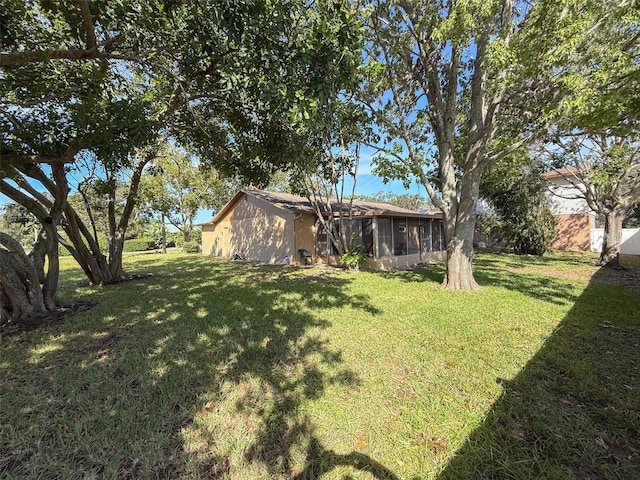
[(516, 189), (453, 89), (191, 247), (175, 187), (353, 258), (19, 223), (404, 200), (110, 81), (138, 245)]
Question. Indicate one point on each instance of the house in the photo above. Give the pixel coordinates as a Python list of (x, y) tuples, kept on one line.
[(273, 227), (575, 220), (576, 223)]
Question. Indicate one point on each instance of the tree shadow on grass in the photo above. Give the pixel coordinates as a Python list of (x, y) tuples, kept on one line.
[(203, 374), (574, 409), (489, 274)]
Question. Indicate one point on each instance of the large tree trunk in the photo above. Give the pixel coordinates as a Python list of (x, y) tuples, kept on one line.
[(610, 253), (459, 237), (116, 248), (459, 275), (27, 290), (20, 292)]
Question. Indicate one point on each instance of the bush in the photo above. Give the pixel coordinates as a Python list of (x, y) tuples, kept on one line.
[(353, 258), (191, 247), (138, 245), (102, 242)]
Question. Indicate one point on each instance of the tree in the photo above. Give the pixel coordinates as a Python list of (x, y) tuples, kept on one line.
[(226, 80), (516, 188), (598, 134), (28, 284), (19, 223), (442, 75), (176, 188), (332, 157), (404, 200), (605, 170)]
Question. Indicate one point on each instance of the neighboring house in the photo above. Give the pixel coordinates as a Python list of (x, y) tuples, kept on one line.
[(272, 227), (574, 219)]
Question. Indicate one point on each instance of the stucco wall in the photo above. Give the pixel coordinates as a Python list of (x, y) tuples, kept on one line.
[(573, 232), (304, 236), (208, 236), (565, 199), (254, 229), (390, 263)]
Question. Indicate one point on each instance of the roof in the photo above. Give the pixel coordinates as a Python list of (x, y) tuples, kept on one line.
[(298, 204), (564, 172)]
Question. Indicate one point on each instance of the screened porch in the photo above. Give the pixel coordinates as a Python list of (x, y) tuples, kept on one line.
[(389, 241)]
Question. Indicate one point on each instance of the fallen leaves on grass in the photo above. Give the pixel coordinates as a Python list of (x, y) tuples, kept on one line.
[(438, 445), (361, 442)]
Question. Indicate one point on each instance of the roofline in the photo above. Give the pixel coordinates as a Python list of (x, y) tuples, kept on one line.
[(223, 211), (563, 172), (373, 213)]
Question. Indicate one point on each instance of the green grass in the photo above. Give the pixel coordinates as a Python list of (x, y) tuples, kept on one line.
[(214, 370)]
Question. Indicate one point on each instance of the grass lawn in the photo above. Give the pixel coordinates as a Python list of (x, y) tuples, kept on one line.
[(208, 369)]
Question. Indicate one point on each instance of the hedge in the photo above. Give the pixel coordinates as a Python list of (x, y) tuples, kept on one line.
[(138, 245), (191, 247)]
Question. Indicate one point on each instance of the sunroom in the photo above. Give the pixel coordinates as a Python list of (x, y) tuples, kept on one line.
[(389, 241)]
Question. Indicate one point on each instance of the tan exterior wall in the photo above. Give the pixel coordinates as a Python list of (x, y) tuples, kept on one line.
[(208, 236), (304, 236), (391, 263), (254, 229), (573, 232)]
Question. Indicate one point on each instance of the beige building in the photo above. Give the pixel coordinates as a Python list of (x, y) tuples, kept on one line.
[(279, 228), (574, 219)]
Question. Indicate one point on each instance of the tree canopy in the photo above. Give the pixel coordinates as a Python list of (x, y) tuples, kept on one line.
[(443, 77), (112, 80)]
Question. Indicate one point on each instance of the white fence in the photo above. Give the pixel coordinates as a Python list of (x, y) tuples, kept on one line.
[(630, 244)]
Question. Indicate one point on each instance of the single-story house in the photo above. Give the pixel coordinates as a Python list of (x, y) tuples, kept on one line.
[(277, 228)]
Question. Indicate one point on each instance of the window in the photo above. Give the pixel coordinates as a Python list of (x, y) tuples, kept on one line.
[(367, 236), (354, 231), (322, 240), (437, 236)]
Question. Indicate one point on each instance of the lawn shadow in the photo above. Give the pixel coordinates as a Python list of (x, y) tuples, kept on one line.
[(204, 374), (490, 272), (574, 409)]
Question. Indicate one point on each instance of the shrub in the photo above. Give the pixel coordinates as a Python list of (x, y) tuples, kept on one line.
[(138, 245), (191, 247), (353, 258), (102, 242)]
